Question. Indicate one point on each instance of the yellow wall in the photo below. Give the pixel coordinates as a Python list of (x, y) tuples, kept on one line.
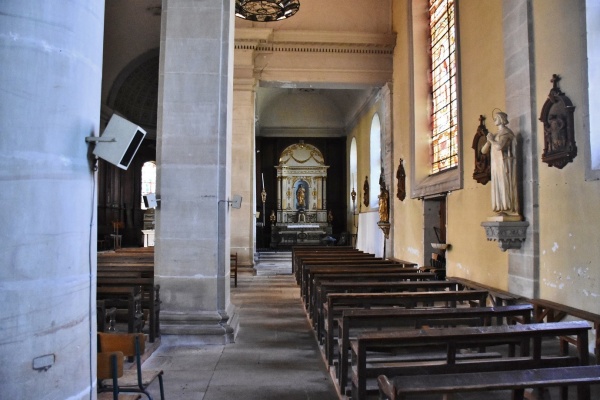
[(569, 206), (481, 90), (408, 214), (569, 211)]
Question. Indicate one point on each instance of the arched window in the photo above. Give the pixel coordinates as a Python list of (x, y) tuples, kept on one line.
[(353, 168), (375, 157), (148, 180)]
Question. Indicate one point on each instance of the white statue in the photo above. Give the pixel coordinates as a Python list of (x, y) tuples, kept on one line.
[(502, 146)]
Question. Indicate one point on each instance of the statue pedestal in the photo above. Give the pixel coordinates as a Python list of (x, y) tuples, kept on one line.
[(508, 234)]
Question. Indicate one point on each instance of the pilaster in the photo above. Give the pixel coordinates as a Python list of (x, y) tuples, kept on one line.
[(521, 109)]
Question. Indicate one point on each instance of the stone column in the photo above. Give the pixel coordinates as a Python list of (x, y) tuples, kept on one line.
[(51, 82), (521, 109), (194, 159), (243, 170)]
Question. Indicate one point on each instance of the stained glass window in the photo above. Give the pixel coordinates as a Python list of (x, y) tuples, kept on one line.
[(444, 140)]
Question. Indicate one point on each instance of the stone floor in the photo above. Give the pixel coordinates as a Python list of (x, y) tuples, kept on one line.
[(275, 354)]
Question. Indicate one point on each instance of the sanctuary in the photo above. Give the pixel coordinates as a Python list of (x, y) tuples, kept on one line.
[(301, 217)]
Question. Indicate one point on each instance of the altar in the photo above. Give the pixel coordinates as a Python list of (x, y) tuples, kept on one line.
[(301, 217)]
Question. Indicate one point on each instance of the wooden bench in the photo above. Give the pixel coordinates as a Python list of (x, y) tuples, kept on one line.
[(299, 256), (363, 277), (142, 270), (336, 260), (399, 387), (549, 311), (498, 297), (150, 298), (310, 271), (298, 252), (400, 284), (233, 267), (379, 319), (125, 297), (339, 302), (376, 274), (527, 337)]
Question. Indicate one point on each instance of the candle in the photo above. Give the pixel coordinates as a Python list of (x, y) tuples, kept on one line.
[(352, 180), (262, 176)]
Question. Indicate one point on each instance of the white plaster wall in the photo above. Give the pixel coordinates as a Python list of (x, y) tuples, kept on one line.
[(50, 79)]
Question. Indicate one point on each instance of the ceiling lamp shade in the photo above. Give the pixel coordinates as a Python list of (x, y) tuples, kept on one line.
[(266, 10)]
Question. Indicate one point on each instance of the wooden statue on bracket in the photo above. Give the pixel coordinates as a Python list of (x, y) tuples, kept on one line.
[(482, 172), (401, 177), (559, 127)]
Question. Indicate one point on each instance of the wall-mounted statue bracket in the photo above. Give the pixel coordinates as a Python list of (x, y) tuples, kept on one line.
[(482, 173), (559, 127), (509, 235)]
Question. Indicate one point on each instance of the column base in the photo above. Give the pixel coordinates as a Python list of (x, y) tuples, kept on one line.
[(205, 327)]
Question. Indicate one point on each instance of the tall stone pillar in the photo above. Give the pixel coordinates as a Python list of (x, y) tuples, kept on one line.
[(51, 80), (193, 169), (243, 170), (521, 109)]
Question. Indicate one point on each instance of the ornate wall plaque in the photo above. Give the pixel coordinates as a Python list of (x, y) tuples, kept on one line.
[(559, 127), (482, 173)]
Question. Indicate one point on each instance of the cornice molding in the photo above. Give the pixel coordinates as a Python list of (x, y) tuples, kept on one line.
[(314, 41)]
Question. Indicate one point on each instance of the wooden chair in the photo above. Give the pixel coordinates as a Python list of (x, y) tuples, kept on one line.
[(233, 267), (136, 379), (110, 366)]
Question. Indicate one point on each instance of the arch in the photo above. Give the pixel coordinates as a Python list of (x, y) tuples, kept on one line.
[(353, 167), (134, 93), (148, 180), (375, 158)]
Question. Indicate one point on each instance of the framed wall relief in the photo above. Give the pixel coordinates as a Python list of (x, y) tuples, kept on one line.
[(482, 173), (559, 127)]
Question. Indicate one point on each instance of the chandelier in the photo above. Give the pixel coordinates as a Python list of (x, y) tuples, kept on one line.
[(266, 10)]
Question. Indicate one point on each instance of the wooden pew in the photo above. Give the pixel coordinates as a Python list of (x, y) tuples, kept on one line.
[(150, 298), (399, 387), (339, 302), (391, 318), (143, 270), (400, 284), (299, 255), (453, 339), (549, 311), (126, 297), (498, 297), (233, 267), (312, 250), (333, 260), (309, 271)]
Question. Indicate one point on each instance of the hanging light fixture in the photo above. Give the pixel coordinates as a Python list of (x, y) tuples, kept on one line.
[(266, 10)]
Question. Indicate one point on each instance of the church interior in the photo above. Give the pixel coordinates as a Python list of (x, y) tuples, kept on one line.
[(453, 137)]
